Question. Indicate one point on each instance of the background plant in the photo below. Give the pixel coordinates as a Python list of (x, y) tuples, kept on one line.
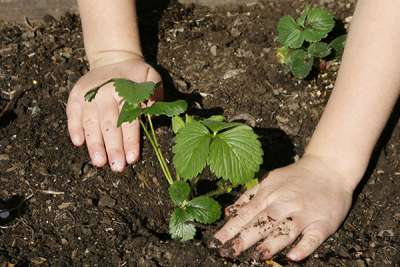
[(231, 150), (304, 39)]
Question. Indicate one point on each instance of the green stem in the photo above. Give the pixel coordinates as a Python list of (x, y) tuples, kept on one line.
[(158, 153), (158, 146)]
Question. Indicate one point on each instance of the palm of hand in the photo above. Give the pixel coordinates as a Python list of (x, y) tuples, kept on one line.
[(96, 122)]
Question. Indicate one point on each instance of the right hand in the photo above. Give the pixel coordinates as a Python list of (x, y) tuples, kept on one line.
[(96, 122), (308, 198)]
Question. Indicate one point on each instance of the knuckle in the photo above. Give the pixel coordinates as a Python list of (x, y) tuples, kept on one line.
[(95, 146), (89, 122), (313, 241), (243, 215)]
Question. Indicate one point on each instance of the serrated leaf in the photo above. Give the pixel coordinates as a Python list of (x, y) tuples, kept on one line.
[(216, 126), (177, 124), (319, 49), (129, 113), (301, 20), (91, 94), (312, 36), (338, 45), (318, 24), (289, 33), (134, 92), (300, 63), (191, 149), (235, 154), (169, 109), (204, 209), (178, 226), (179, 191)]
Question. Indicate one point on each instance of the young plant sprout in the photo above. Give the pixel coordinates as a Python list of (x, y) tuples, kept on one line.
[(305, 38), (231, 150)]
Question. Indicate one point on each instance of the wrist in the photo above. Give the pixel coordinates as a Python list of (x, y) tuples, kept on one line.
[(108, 57), (348, 172)]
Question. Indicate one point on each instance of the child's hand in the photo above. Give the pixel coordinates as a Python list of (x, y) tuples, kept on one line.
[(307, 198), (96, 122)]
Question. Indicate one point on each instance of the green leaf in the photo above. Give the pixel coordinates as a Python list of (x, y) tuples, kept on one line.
[(191, 149), (129, 113), (204, 209), (179, 191), (169, 109), (300, 63), (216, 118), (282, 54), (178, 226), (189, 118), (90, 95), (301, 20), (338, 45), (133, 92), (235, 154), (177, 124), (216, 126), (318, 24), (289, 33), (319, 49)]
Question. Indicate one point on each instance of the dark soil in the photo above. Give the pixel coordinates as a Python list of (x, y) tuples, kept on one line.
[(222, 60)]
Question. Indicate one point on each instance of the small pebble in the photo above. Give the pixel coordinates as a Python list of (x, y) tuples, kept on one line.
[(213, 50), (4, 157)]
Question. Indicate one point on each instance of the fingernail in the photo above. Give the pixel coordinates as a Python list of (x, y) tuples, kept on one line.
[(131, 157), (214, 243), (237, 246), (76, 139), (293, 256), (117, 166), (97, 159)]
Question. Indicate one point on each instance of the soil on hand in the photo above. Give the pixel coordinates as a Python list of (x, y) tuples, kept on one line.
[(221, 61)]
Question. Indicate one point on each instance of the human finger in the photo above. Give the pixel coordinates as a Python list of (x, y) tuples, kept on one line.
[(108, 111), (258, 228), (74, 118), (131, 140), (93, 136), (283, 234), (313, 236), (245, 215), (231, 211)]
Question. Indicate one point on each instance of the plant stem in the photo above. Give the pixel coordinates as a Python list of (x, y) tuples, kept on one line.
[(158, 147), (157, 150)]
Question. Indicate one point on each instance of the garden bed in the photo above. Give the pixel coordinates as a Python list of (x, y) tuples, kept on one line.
[(220, 60)]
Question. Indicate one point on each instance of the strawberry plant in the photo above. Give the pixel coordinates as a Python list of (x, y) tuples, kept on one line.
[(304, 39), (231, 150)]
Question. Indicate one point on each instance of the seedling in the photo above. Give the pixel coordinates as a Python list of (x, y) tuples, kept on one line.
[(231, 150), (305, 38)]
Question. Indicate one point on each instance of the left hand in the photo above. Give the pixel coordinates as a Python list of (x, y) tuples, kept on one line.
[(307, 197)]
